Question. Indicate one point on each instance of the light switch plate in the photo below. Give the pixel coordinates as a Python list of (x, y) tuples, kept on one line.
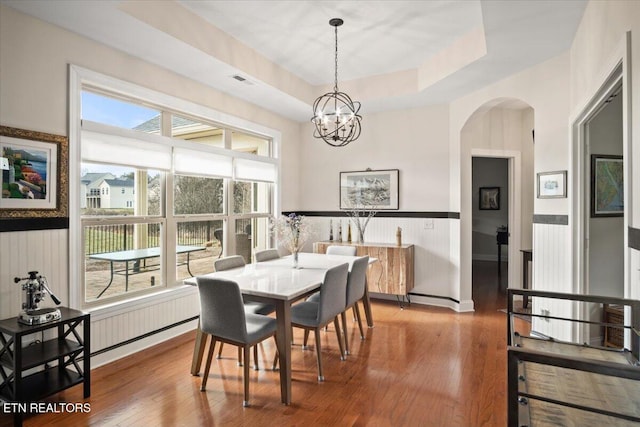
[(4, 163)]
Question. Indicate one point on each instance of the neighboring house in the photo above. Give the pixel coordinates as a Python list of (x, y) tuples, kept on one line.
[(116, 193), (89, 189)]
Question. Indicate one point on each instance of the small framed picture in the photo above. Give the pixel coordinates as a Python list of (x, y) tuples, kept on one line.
[(489, 198), (552, 185)]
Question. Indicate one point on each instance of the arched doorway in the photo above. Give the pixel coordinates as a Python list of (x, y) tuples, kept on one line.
[(500, 129)]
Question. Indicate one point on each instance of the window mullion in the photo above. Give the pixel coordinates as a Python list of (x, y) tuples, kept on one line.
[(171, 231)]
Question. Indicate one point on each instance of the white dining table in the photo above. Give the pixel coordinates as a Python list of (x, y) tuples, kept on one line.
[(276, 282)]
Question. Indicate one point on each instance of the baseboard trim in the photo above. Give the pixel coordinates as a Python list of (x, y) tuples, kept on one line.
[(139, 343), (429, 300)]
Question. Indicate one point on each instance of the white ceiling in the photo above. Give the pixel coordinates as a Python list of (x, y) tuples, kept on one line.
[(378, 38)]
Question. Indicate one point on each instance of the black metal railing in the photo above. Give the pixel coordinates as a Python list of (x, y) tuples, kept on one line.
[(120, 237), (197, 233)]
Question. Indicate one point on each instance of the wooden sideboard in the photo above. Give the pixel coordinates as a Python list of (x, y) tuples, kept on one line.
[(392, 274)]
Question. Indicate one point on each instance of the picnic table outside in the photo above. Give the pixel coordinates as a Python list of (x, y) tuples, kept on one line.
[(137, 255)]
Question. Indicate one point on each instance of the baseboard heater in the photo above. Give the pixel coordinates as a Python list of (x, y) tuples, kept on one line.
[(434, 296), (143, 336)]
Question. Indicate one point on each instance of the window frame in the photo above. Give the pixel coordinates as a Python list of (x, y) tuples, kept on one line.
[(82, 79)]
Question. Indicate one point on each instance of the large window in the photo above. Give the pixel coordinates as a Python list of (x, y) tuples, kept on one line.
[(158, 203)]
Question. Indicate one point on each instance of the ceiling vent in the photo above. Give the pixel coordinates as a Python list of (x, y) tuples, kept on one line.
[(241, 79)]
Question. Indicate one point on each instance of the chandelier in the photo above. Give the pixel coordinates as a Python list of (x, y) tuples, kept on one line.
[(336, 116)]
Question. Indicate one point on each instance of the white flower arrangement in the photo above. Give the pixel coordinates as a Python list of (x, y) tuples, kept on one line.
[(292, 231)]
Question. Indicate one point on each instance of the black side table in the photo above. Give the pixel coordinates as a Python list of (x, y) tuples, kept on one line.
[(67, 372)]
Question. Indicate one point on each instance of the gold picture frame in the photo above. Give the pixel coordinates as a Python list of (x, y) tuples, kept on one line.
[(44, 198)]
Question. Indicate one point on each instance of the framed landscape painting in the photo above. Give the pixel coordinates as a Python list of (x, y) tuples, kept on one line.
[(30, 178), (369, 190), (607, 187)]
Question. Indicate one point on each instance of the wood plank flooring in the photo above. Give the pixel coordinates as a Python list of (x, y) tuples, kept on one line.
[(419, 366)]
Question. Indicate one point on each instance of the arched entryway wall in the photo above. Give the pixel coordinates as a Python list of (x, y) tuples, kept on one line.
[(545, 87), (501, 128)]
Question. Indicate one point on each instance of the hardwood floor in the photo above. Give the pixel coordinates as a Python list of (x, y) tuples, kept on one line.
[(421, 366)]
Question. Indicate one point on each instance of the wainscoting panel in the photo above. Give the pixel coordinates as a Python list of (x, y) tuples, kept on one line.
[(112, 330), (552, 267), (44, 251)]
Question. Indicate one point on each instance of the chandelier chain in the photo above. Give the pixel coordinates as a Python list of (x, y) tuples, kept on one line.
[(335, 87)]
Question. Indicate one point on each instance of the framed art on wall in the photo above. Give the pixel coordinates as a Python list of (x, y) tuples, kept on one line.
[(607, 187), (552, 185), (34, 184), (489, 198), (369, 189)]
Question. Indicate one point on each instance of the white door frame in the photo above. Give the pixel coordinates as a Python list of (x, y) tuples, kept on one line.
[(514, 159), (617, 71)]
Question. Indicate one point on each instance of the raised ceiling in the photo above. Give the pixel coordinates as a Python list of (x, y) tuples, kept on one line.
[(392, 54)]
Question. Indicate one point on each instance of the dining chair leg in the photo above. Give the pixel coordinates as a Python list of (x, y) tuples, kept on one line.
[(198, 350), (343, 315), (255, 358), (247, 356), (357, 311), (316, 333), (305, 339), (219, 356), (336, 324), (208, 365)]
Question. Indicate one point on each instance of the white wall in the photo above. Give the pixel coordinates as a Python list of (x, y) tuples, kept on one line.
[(34, 60), (502, 128), (544, 87), (414, 141), (600, 44)]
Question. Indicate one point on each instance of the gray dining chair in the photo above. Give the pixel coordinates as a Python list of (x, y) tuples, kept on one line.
[(341, 250), (356, 283), (312, 315), (222, 316), (334, 250), (229, 262), (266, 255), (237, 261)]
